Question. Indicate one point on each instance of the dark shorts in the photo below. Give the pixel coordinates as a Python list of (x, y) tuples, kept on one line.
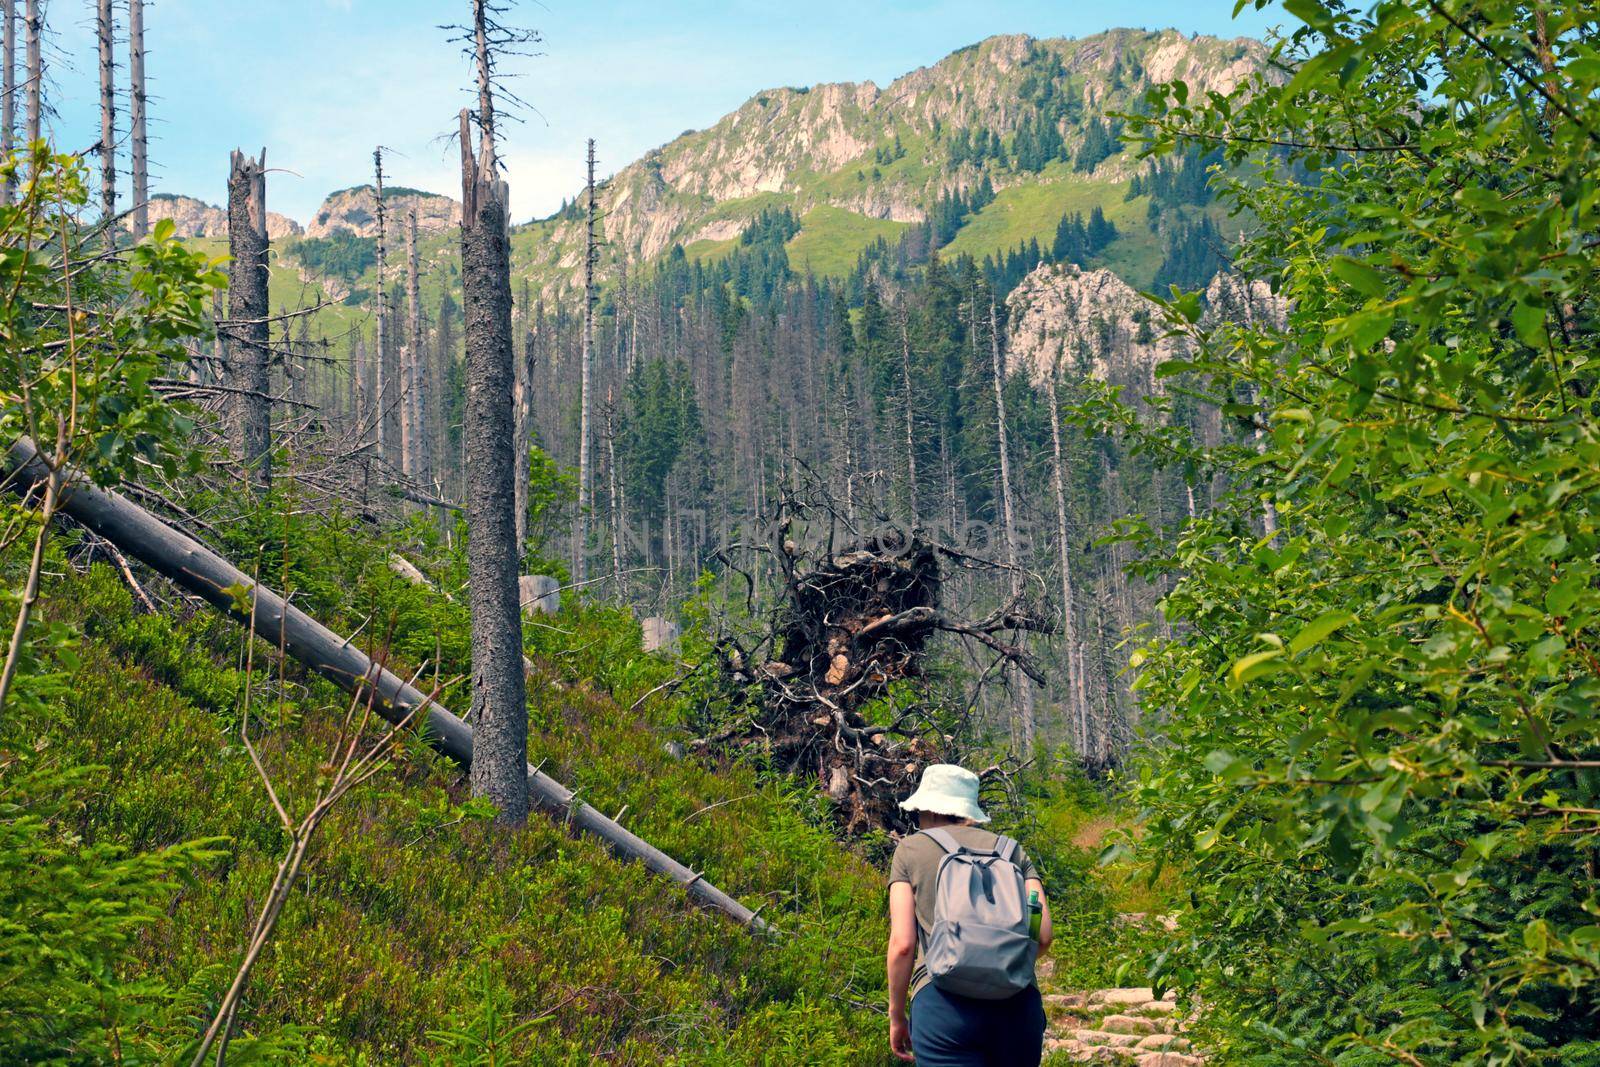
[(955, 1031)]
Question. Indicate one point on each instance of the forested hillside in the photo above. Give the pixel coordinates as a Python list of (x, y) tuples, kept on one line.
[(778, 321), (434, 639)]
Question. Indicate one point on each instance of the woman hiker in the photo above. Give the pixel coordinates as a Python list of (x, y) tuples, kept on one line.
[(980, 1006)]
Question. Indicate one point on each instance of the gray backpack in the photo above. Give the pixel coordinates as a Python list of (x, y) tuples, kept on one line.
[(979, 945)]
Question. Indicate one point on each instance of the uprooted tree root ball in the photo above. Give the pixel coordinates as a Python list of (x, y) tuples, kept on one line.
[(850, 625)]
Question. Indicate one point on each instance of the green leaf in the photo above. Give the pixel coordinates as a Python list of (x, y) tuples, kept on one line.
[(1360, 276), (1315, 631), (1528, 320), (1254, 666)]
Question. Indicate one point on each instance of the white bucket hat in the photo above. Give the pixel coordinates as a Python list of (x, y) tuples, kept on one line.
[(946, 789)]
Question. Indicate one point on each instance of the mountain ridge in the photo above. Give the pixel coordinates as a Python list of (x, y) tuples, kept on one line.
[(855, 162)]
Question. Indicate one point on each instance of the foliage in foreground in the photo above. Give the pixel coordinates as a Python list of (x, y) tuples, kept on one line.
[(1379, 773)]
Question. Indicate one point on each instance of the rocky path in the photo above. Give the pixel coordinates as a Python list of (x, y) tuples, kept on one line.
[(1129, 1027)]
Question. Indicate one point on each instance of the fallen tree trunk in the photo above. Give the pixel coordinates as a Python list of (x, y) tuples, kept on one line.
[(196, 568)]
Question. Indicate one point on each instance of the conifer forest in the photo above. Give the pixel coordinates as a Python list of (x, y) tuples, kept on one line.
[(483, 617)]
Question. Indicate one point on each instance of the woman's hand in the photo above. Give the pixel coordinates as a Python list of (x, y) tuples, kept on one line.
[(900, 1037)]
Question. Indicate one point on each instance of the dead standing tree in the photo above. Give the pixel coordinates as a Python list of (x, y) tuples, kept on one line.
[(104, 33), (249, 351), (384, 376), (8, 91), (1023, 732), (137, 99), (499, 695), (34, 24), (851, 624), (417, 460), (580, 520)]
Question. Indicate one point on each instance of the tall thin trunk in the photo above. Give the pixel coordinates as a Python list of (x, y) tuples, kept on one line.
[(104, 32), (585, 475), (1025, 719), (8, 91), (137, 98), (523, 397), (250, 426), (911, 441), (35, 95), (616, 502), (382, 384), (1075, 704), (499, 694), (413, 383)]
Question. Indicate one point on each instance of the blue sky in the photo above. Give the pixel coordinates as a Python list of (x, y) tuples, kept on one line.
[(320, 82)]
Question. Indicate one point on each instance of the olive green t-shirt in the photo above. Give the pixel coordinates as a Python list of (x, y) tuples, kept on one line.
[(916, 860)]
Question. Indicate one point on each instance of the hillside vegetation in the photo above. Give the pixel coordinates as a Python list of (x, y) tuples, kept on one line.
[(419, 933)]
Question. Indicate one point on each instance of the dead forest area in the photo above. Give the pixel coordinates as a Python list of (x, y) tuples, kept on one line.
[(497, 674)]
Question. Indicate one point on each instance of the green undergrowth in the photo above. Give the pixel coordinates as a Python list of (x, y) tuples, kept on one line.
[(417, 933)]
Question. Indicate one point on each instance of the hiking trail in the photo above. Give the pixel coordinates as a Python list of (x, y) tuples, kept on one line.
[(1127, 1026)]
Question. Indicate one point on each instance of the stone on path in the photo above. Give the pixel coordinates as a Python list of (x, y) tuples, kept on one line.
[(1128, 1024), (1101, 1037), (1169, 1059)]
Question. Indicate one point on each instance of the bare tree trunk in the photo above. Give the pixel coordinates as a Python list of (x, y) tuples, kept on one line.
[(137, 99), (250, 422), (104, 28), (1025, 720), (580, 534), (383, 386), (8, 91), (616, 502), (905, 386), (499, 697), (523, 398), (1075, 704), (415, 462), (35, 32)]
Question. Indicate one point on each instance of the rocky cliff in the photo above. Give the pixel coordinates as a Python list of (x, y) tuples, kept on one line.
[(356, 210), (1090, 323), (196, 218)]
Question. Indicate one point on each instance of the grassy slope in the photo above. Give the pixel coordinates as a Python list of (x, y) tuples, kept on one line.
[(831, 239), (411, 912), (410, 908)]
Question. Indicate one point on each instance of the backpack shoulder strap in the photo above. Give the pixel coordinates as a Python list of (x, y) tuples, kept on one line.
[(944, 839), (1005, 848)]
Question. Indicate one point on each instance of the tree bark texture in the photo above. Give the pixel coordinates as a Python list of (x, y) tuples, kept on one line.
[(249, 354), (193, 567), (499, 699), (35, 94), (137, 100), (580, 547), (383, 384), (8, 91), (104, 27)]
